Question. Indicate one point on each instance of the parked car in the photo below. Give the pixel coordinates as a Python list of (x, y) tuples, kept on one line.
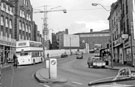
[(63, 55), (95, 61), (79, 55)]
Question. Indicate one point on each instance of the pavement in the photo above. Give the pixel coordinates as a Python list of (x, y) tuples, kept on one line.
[(42, 76), (117, 66)]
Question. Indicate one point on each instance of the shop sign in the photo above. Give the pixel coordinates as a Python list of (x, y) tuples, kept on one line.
[(127, 44), (118, 42), (7, 43)]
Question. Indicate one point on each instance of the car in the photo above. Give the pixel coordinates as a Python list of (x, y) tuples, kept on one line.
[(79, 55), (95, 61), (63, 55)]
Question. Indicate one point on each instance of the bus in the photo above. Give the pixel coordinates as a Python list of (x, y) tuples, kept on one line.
[(29, 52)]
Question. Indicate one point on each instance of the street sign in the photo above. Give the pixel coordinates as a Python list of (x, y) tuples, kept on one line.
[(53, 68)]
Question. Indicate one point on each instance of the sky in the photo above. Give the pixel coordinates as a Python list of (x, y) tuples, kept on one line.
[(81, 16)]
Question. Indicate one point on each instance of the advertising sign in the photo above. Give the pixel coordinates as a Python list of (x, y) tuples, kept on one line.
[(53, 68), (71, 41)]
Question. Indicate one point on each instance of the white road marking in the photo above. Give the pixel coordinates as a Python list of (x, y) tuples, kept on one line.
[(78, 83), (44, 85)]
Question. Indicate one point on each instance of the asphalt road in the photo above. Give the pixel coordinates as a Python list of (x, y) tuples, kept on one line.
[(21, 77), (74, 70), (78, 74)]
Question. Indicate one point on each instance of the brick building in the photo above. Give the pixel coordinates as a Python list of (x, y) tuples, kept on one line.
[(23, 20), (121, 23), (93, 39)]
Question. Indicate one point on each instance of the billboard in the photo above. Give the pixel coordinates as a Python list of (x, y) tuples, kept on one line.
[(71, 40)]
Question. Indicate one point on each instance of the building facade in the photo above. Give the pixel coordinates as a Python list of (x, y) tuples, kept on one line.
[(23, 20), (7, 41), (123, 46), (59, 38), (92, 40)]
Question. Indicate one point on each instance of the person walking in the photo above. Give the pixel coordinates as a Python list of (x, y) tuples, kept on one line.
[(15, 60)]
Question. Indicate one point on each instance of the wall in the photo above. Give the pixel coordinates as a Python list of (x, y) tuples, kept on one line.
[(57, 53)]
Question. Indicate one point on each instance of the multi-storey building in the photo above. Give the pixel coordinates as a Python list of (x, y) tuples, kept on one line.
[(124, 53), (59, 38), (91, 40), (7, 41), (23, 20), (116, 31)]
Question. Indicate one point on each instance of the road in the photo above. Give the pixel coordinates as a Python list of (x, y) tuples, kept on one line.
[(78, 73), (74, 70)]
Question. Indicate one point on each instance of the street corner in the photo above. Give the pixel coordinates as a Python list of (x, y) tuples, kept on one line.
[(42, 76)]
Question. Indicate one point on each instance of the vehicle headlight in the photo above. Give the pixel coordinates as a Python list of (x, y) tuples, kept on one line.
[(94, 63)]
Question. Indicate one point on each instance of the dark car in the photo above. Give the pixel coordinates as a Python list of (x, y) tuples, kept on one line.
[(79, 55), (63, 55)]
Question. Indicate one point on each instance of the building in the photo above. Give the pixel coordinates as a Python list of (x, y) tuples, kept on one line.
[(59, 38), (92, 40), (23, 20), (116, 31), (7, 41), (125, 43), (54, 42)]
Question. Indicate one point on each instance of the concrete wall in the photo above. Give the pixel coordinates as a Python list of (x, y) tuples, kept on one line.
[(57, 53)]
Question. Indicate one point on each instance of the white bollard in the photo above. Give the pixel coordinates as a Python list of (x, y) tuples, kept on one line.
[(47, 64), (53, 68)]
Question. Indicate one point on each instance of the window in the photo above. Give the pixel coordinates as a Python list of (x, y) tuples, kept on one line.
[(6, 22), (2, 6), (6, 8), (10, 35), (22, 26), (10, 24), (2, 20), (11, 11)]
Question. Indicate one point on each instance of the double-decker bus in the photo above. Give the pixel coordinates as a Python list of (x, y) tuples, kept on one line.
[(29, 52)]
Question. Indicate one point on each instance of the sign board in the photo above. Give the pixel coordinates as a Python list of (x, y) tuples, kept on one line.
[(124, 36), (53, 68)]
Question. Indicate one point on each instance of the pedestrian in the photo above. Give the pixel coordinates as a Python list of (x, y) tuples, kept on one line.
[(15, 60)]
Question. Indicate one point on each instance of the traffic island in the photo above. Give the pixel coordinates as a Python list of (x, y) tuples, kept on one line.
[(42, 76)]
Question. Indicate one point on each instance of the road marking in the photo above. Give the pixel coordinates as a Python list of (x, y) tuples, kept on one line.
[(78, 83), (44, 85)]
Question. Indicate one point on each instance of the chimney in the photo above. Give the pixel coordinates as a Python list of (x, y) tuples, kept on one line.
[(66, 31), (91, 30)]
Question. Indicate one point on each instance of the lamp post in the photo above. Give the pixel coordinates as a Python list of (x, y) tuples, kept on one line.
[(96, 4), (112, 55)]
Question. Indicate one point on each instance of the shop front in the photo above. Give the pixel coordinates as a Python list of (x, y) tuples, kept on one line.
[(7, 49), (128, 53), (118, 51)]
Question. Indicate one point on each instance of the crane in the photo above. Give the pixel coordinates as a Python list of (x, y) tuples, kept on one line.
[(45, 30)]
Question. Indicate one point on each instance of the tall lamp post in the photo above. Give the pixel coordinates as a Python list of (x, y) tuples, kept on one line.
[(112, 56), (45, 25)]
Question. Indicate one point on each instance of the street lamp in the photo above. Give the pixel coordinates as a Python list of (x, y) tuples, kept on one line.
[(96, 4)]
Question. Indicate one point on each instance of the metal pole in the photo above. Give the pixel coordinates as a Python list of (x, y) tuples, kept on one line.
[(131, 43), (112, 53), (70, 45)]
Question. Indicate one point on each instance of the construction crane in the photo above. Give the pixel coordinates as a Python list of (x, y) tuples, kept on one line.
[(45, 30)]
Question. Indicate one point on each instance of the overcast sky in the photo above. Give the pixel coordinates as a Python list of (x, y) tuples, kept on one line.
[(81, 16)]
